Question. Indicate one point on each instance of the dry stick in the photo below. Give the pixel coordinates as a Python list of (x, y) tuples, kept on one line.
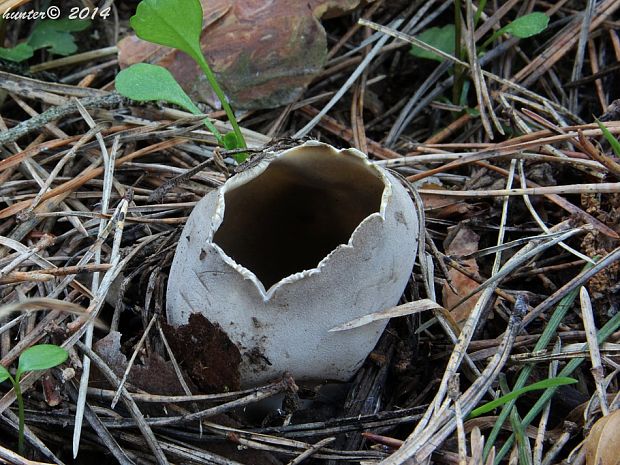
[(352, 78), (183, 452), (258, 394), (48, 274), (565, 204), (598, 83), (63, 161), (334, 127), (426, 264), (476, 72), (175, 365), (578, 280), (525, 128), (128, 219), (539, 220), (563, 42), (93, 310), (30, 87), (581, 51), (598, 372), (405, 116), (15, 459), (495, 278), (69, 108), (506, 82), (130, 404), (596, 154), (77, 58), (15, 160), (100, 429), (44, 243), (601, 188), (38, 260), (265, 442), (108, 177), (137, 349), (454, 393), (544, 417), (107, 394), (32, 169), (444, 424), (311, 451), (570, 430), (89, 175), (460, 348)]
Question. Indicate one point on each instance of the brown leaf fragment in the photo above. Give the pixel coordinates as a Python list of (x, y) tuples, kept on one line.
[(464, 242), (154, 375), (440, 207), (603, 442)]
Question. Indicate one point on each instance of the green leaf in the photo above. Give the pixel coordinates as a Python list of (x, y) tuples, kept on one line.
[(18, 53), (56, 36), (58, 43), (41, 357), (527, 26), (62, 25), (442, 38), (231, 142), (146, 83), (615, 145), (4, 374), (173, 23), (544, 384)]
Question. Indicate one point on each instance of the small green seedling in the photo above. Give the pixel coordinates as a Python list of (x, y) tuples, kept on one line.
[(544, 384), (443, 38), (176, 24), (615, 145), (39, 357), (54, 35), (522, 27)]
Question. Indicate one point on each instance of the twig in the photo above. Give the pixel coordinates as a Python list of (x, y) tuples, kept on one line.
[(133, 408)]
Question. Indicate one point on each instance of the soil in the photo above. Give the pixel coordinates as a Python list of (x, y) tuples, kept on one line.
[(206, 353)]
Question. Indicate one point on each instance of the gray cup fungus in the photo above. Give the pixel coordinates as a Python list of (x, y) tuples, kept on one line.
[(305, 240)]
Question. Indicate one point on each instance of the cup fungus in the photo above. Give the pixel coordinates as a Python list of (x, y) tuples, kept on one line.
[(307, 239)]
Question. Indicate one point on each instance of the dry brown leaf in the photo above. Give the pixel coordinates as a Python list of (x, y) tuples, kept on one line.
[(263, 53), (464, 242), (439, 206), (603, 443)]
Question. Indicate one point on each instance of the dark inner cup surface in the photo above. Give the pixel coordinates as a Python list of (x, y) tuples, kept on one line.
[(297, 211)]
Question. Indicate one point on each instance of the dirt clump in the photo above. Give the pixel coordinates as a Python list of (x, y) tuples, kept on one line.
[(206, 353)]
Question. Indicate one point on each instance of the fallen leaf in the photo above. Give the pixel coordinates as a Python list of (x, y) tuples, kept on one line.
[(603, 443), (264, 54), (443, 206), (464, 242), (154, 375)]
